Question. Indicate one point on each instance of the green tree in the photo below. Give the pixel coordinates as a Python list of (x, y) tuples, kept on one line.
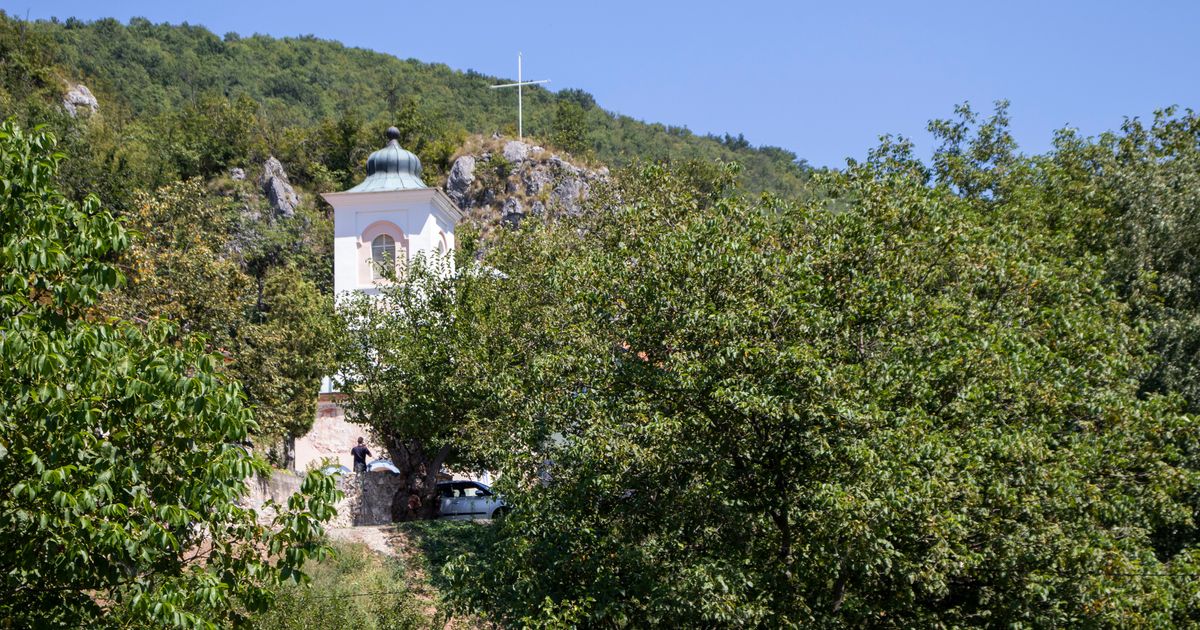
[(181, 269), (121, 457), (1135, 197), (570, 129), (430, 136), (203, 264), (282, 355), (921, 410), (211, 134), (403, 375)]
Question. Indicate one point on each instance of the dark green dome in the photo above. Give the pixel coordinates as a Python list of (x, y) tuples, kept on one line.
[(391, 168)]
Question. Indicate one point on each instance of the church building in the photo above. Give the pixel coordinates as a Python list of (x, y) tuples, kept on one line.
[(385, 221)]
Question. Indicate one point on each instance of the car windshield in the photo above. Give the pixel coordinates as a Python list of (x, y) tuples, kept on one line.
[(464, 489)]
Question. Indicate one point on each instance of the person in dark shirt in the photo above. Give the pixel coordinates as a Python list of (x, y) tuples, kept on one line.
[(360, 453)]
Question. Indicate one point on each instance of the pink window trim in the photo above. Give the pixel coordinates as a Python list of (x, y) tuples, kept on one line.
[(364, 247)]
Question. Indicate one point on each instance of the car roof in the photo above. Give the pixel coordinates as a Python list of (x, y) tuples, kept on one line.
[(459, 483)]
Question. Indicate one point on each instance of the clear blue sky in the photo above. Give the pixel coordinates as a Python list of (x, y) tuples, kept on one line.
[(822, 79)]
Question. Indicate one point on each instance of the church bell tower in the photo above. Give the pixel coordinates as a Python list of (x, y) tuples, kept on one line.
[(387, 219)]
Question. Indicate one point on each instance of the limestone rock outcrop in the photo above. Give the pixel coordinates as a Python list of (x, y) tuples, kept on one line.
[(79, 100), (512, 211), (279, 191), (499, 182), (516, 151), (462, 175)]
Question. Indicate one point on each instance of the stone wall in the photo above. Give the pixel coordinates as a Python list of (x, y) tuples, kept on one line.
[(332, 436), (375, 491), (367, 500), (278, 487)]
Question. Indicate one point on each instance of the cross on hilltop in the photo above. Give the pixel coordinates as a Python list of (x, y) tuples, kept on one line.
[(520, 109)]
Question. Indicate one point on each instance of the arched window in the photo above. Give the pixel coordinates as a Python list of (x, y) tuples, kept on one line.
[(383, 246), (442, 249), (383, 256)]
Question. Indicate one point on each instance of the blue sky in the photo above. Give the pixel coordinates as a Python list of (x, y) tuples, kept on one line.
[(821, 79)]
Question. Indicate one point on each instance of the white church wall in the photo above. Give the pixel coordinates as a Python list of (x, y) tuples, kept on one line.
[(332, 436), (391, 201), (420, 215)]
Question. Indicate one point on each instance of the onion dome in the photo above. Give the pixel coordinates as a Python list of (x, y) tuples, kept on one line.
[(391, 168)]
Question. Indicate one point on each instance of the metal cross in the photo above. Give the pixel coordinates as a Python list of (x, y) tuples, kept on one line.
[(518, 84)]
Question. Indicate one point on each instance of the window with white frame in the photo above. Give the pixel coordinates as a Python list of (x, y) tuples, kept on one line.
[(383, 256)]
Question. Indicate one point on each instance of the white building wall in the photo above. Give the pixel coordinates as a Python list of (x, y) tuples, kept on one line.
[(424, 215)]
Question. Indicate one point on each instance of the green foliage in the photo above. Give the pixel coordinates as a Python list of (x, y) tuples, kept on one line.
[(976, 160), (401, 377), (120, 446), (922, 410), (28, 84), (354, 590), (199, 263), (179, 267), (570, 132), (1136, 199), (429, 136), (211, 134), (282, 358)]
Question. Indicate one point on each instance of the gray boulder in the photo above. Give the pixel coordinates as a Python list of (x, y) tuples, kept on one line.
[(568, 193), (512, 212), (237, 174), (279, 191), (79, 99), (535, 180), (516, 151), (512, 205), (462, 175)]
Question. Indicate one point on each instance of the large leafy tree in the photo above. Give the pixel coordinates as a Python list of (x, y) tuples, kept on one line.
[(1130, 196), (121, 447), (1136, 197), (283, 353), (908, 404), (205, 264), (403, 374)]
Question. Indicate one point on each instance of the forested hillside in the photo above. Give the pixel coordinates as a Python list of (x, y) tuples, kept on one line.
[(153, 70)]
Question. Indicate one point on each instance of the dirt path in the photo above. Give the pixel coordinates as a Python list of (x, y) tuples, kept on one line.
[(383, 539)]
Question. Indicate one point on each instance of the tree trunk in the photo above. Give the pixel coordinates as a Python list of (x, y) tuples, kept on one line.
[(289, 452), (416, 497)]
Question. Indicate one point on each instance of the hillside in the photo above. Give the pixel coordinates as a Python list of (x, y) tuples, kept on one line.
[(156, 68)]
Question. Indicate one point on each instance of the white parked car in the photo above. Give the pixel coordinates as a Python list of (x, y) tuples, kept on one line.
[(382, 465), (468, 500), (336, 470)]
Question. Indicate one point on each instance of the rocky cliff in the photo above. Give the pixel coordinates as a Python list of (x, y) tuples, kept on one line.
[(496, 181)]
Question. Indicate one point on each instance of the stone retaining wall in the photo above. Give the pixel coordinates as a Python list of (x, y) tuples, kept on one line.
[(375, 492), (367, 500)]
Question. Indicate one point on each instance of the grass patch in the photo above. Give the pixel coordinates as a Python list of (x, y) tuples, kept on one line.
[(356, 589), (440, 541)]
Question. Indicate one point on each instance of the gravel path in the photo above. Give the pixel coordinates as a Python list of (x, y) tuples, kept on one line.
[(379, 538)]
